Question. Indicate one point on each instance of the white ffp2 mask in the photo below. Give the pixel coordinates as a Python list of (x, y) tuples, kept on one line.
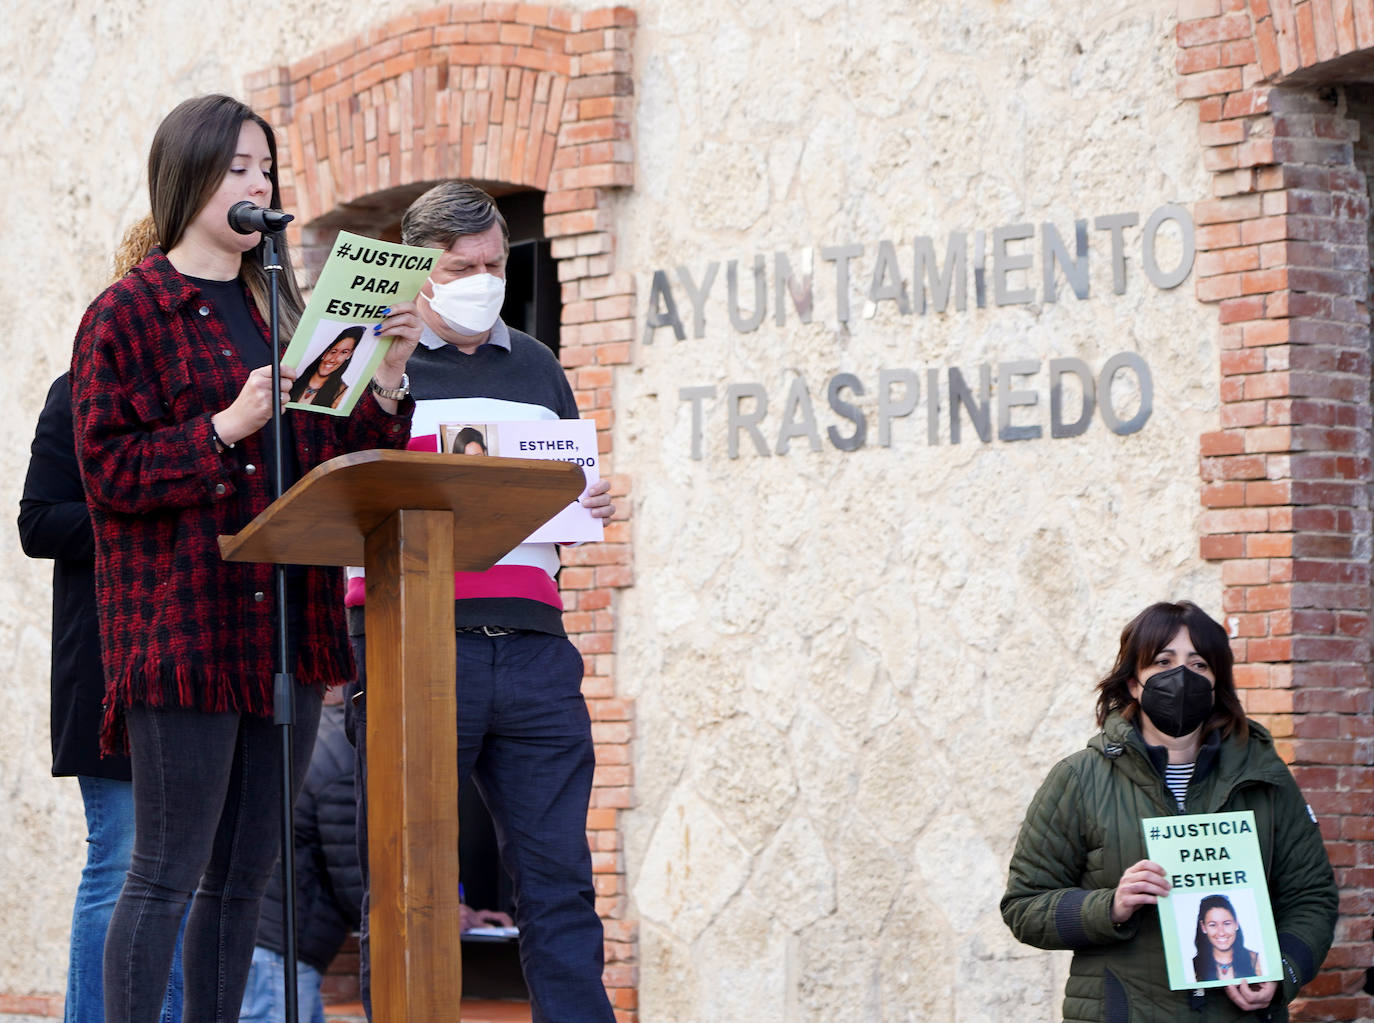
[(469, 305)]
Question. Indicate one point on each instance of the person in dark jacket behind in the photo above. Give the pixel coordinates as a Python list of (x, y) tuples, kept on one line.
[(329, 884), (55, 523), (1173, 740)]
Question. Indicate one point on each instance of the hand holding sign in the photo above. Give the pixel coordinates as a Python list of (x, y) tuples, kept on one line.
[(403, 326), (597, 500), (250, 411), (1143, 884), (1252, 997)]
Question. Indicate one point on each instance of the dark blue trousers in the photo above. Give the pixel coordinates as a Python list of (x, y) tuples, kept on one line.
[(525, 736)]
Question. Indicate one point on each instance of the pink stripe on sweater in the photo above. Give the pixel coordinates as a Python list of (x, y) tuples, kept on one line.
[(525, 582)]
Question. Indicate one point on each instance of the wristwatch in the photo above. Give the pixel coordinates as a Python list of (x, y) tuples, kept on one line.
[(394, 393)]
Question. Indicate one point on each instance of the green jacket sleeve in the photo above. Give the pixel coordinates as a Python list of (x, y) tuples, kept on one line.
[(1044, 904)]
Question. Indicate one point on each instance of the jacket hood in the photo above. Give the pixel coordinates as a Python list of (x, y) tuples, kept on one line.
[(1248, 759)]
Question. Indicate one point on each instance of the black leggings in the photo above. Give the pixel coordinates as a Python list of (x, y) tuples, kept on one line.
[(207, 820)]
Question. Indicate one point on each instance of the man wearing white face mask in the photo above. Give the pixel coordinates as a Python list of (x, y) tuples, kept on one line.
[(465, 308), (523, 728)]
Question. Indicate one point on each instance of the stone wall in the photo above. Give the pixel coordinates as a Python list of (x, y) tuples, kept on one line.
[(851, 669)]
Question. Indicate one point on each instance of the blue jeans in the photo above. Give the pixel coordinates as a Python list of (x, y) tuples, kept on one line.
[(525, 735), (264, 999), (109, 841), (207, 792)]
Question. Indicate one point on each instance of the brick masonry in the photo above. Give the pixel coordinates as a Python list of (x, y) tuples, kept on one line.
[(513, 96), (1283, 252)]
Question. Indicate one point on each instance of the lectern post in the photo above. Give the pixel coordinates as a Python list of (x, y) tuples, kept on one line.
[(412, 745), (412, 519)]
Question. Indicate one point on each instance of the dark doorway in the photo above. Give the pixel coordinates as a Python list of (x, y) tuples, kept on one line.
[(533, 302)]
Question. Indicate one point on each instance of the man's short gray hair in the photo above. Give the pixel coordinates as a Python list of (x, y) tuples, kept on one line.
[(448, 210)]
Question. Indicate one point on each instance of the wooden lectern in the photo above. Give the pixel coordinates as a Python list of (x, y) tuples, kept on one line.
[(411, 519)]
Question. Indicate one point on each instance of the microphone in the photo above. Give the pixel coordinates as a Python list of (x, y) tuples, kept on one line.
[(245, 218)]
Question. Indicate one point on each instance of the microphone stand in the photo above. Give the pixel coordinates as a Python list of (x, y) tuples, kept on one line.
[(283, 682)]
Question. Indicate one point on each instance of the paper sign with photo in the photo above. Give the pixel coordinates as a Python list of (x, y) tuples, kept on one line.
[(334, 350), (1216, 921), (563, 440)]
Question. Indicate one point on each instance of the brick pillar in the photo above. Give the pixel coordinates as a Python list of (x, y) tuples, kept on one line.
[(593, 154), (1283, 254)]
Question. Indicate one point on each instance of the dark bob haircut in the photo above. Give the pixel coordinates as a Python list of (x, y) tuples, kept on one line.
[(1150, 632)]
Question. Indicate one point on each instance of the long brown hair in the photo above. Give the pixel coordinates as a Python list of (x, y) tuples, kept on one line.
[(191, 152), (1150, 632)]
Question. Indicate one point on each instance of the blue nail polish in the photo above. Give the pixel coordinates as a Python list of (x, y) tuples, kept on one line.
[(386, 311), (377, 329)]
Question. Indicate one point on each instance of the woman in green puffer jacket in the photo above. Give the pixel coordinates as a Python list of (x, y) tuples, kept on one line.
[(1079, 878)]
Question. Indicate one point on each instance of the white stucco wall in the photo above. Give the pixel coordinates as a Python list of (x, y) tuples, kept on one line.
[(851, 669)]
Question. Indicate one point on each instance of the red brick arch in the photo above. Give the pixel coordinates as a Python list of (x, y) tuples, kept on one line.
[(516, 97), (1293, 36), (529, 96), (1283, 252)]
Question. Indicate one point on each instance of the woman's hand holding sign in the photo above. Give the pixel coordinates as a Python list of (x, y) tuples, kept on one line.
[(402, 325), (1142, 884), (1252, 997), (252, 409)]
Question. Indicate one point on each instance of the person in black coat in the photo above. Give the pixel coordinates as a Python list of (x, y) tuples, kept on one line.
[(54, 523), (329, 884)]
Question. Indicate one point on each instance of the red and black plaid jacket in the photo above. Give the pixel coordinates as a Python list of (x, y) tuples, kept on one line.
[(180, 627)]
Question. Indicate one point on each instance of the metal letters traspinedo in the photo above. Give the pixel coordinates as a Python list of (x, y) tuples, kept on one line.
[(1005, 401)]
